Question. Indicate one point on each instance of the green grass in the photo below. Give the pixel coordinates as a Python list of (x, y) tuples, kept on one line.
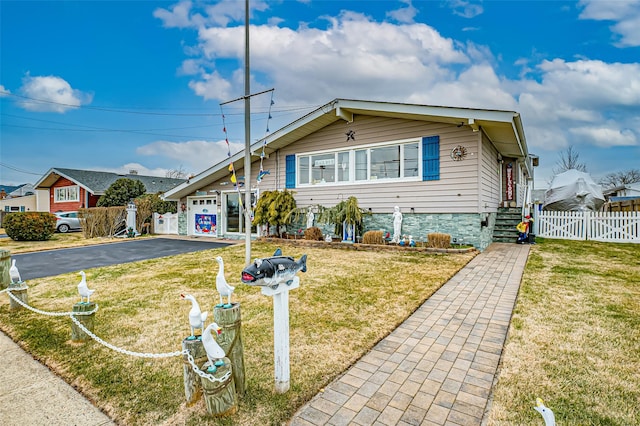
[(575, 337), (345, 304)]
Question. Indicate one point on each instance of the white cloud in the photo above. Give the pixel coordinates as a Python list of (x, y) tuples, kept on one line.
[(606, 136), (404, 14), (466, 9), (222, 13), (50, 94), (624, 13), (195, 156), (4, 91)]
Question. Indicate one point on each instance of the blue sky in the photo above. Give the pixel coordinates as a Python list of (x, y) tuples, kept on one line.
[(120, 85)]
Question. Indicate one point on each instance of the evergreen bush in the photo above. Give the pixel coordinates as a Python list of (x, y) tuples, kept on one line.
[(30, 226)]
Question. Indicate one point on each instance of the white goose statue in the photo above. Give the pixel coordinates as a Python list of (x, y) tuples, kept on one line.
[(547, 414), (196, 316), (221, 283), (14, 273), (211, 347), (83, 289)]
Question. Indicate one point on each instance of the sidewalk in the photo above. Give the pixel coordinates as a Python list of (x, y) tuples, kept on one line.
[(438, 367), (30, 394)]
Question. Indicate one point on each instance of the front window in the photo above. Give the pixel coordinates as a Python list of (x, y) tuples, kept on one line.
[(67, 193), (384, 161)]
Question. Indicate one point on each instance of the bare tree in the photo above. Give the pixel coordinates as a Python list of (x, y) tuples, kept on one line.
[(178, 173), (620, 178), (569, 160)]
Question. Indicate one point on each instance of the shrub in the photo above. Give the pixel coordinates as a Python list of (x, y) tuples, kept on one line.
[(314, 234), (438, 240), (372, 237), (30, 226)]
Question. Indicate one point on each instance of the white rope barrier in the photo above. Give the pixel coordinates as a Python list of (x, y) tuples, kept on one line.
[(51, 314), (72, 315)]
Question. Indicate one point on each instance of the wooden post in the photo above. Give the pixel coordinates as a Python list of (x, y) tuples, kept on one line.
[(220, 397), (192, 386), (19, 291), (230, 340), (77, 334), (5, 264), (281, 332)]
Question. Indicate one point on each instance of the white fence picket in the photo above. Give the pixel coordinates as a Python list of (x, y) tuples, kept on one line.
[(619, 227)]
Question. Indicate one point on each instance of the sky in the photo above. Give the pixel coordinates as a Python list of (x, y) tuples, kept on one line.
[(138, 85)]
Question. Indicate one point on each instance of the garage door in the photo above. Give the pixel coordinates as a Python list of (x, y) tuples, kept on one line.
[(202, 216)]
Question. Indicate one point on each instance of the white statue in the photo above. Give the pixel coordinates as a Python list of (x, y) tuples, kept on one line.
[(310, 217), (397, 224)]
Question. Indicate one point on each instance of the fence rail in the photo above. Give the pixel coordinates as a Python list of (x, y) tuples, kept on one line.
[(619, 227)]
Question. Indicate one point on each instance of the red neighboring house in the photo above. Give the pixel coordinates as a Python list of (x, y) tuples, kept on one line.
[(71, 189)]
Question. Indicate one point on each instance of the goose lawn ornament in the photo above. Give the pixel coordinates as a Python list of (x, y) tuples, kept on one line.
[(83, 289), (211, 347), (196, 316), (14, 273), (221, 284), (547, 414)]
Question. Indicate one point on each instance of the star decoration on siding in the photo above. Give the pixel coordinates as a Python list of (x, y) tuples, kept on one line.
[(351, 135)]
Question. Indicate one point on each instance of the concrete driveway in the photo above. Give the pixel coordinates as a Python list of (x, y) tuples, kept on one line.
[(62, 261)]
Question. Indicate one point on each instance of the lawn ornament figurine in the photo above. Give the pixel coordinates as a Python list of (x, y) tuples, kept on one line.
[(14, 274), (524, 228), (222, 286), (196, 316), (269, 273), (211, 346), (547, 414), (83, 289), (273, 271), (397, 224)]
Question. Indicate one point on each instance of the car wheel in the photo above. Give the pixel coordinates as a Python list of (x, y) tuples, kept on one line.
[(63, 228)]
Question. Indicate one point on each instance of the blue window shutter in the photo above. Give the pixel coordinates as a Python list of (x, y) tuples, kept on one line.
[(431, 158), (290, 165)]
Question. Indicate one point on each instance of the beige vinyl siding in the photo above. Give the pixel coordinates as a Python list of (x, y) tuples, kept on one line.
[(455, 192), (490, 182)]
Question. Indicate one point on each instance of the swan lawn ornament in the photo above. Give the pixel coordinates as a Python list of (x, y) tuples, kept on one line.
[(221, 284), (547, 414), (83, 289), (196, 316), (14, 273), (212, 348)]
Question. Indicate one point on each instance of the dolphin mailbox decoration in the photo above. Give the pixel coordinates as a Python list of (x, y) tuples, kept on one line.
[(273, 271)]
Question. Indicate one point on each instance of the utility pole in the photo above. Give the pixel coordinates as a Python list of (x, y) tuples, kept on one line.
[(247, 140)]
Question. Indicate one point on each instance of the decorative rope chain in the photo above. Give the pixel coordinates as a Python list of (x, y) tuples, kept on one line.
[(201, 373), (72, 315), (51, 314)]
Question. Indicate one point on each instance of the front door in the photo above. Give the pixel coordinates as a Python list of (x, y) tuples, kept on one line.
[(235, 219), (202, 217)]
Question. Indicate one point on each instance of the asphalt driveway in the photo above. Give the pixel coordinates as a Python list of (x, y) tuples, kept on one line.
[(56, 262)]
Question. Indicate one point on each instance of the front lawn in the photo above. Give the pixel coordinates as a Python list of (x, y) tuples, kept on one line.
[(347, 301)]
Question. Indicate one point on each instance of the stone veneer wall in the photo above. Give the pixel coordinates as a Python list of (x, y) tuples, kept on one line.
[(464, 227)]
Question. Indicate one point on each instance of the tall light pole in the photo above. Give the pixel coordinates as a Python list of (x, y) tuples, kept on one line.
[(247, 140)]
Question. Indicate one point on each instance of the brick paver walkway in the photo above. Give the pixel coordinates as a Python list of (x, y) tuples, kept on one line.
[(438, 367)]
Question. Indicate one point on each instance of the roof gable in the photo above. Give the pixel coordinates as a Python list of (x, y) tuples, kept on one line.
[(97, 182), (504, 129)]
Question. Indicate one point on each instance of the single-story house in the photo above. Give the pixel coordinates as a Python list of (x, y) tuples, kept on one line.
[(448, 169), (71, 189)]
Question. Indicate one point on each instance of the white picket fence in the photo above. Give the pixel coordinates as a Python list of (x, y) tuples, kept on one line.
[(166, 223), (619, 227)]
